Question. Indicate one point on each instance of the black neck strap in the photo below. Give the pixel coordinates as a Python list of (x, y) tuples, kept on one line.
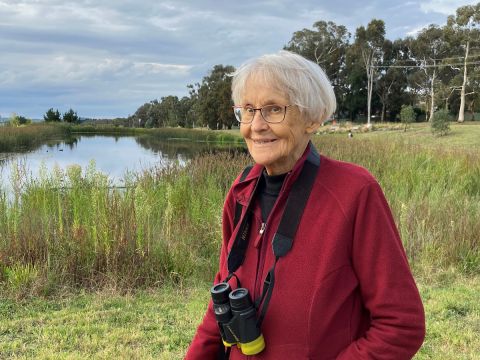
[(283, 239)]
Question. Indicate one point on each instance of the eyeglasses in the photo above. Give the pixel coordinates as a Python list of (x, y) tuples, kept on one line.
[(272, 114)]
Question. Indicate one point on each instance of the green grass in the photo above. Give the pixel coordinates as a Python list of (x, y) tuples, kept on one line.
[(453, 316), (464, 136), (145, 325), (29, 137), (159, 324)]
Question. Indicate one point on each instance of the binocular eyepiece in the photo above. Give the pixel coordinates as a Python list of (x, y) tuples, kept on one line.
[(236, 318)]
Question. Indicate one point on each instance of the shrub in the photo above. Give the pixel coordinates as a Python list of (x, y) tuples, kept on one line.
[(407, 115), (441, 122)]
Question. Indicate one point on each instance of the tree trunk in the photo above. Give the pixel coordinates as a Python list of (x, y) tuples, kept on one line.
[(382, 119), (432, 93), (461, 112), (369, 94)]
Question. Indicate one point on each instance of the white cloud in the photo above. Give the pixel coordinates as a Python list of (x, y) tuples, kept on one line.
[(446, 7), (107, 57)]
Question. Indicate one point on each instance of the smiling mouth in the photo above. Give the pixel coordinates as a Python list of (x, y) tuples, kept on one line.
[(261, 142)]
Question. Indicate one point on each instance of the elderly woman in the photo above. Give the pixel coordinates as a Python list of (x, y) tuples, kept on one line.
[(311, 240)]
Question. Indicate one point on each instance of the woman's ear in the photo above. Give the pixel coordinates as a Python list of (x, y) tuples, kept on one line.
[(311, 127)]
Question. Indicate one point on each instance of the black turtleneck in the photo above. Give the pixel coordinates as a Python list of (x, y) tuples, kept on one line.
[(270, 187)]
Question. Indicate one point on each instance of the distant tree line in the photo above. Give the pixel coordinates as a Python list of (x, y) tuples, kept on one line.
[(54, 116), (373, 77)]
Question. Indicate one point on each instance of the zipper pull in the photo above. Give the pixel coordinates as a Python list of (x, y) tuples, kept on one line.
[(262, 228)]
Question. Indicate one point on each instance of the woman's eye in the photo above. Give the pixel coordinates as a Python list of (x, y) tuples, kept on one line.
[(249, 110), (274, 109)]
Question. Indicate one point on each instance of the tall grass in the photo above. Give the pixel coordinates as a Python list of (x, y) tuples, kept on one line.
[(434, 195), (72, 228), (28, 137)]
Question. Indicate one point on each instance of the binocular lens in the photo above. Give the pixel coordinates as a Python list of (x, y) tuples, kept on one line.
[(239, 299), (220, 293)]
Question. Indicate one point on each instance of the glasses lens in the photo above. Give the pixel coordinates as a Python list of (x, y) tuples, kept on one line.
[(244, 114), (238, 114), (273, 113)]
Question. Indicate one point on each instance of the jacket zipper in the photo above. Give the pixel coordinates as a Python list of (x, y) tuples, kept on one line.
[(262, 254)]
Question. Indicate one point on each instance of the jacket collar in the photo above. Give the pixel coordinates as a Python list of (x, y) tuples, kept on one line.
[(242, 191)]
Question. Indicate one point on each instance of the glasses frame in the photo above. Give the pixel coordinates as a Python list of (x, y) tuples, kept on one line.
[(261, 114)]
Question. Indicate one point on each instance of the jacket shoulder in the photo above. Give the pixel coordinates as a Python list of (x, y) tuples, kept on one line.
[(342, 175)]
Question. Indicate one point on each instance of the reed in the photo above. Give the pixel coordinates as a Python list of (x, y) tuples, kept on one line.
[(28, 137), (72, 228)]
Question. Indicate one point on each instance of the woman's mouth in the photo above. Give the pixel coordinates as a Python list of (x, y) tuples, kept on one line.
[(263, 141)]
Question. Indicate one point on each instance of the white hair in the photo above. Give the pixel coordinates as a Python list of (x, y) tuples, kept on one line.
[(302, 81)]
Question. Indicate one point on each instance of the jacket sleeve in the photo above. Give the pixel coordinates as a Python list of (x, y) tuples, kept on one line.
[(206, 342), (397, 320)]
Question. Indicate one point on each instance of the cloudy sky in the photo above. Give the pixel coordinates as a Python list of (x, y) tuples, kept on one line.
[(104, 58)]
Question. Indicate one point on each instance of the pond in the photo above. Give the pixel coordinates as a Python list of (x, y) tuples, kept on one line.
[(112, 155)]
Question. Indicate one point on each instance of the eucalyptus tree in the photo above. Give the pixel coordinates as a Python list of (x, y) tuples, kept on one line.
[(391, 85), (142, 115), (214, 104), (327, 46), (428, 49), (369, 44), (169, 107), (464, 29)]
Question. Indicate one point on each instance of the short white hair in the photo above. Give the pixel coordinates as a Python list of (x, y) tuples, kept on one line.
[(302, 81)]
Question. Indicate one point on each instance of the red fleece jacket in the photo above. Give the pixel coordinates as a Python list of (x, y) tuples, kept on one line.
[(344, 291)]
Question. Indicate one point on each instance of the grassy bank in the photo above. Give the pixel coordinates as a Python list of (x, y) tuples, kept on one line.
[(23, 138), (160, 324), (70, 228), (197, 135)]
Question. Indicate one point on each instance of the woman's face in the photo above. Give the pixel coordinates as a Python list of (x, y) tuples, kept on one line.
[(275, 146)]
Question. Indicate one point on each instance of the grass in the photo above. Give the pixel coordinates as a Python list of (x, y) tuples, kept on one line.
[(145, 325), (159, 324), (464, 136), (13, 139), (71, 228)]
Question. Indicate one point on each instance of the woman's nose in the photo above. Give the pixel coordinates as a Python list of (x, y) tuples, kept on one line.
[(258, 122)]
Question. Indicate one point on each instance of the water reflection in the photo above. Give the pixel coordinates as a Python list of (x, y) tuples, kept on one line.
[(113, 155)]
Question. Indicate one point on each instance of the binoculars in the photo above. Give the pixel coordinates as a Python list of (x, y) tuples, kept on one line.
[(236, 318)]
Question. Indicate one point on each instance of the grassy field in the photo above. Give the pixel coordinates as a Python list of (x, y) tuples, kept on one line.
[(159, 324), (106, 247), (464, 136)]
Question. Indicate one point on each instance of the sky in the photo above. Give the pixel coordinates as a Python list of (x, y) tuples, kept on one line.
[(105, 58)]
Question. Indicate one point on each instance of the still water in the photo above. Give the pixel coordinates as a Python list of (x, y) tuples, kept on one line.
[(112, 155)]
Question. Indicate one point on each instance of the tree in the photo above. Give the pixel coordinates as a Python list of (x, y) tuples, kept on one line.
[(327, 46), (369, 42), (52, 115), (391, 84), (464, 27), (214, 101), (14, 120), (428, 49), (70, 116), (142, 115)]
